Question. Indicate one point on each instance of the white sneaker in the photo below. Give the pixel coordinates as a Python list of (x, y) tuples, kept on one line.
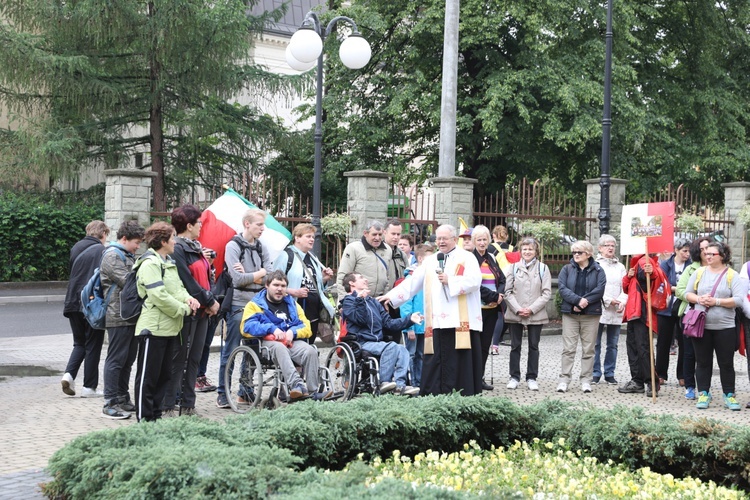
[(512, 384), (533, 386), (91, 393), (387, 387), (585, 387), (562, 387), (68, 384)]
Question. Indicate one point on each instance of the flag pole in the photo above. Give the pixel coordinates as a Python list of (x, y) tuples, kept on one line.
[(650, 332)]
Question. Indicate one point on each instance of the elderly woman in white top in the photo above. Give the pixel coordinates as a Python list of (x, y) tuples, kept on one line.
[(719, 335), (614, 303)]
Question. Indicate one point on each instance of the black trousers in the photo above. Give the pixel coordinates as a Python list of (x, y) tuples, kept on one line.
[(723, 343), (87, 350), (451, 369), (121, 354), (153, 375), (638, 352), (669, 327), (489, 320)]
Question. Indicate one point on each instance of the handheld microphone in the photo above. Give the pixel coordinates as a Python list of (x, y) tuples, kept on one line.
[(441, 261)]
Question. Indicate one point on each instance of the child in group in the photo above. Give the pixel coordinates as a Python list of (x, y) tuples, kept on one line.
[(414, 336)]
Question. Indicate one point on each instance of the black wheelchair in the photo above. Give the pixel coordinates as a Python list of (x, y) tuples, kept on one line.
[(351, 370), (253, 380)]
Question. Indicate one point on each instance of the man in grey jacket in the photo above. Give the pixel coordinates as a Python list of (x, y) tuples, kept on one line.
[(117, 261), (371, 258)]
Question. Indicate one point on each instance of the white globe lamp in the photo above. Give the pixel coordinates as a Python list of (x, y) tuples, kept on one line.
[(297, 65), (306, 45), (355, 52)]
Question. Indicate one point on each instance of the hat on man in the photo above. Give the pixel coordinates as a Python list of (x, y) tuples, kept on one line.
[(466, 233)]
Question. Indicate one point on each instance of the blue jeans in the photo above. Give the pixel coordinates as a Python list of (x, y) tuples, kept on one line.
[(610, 356), (416, 353), (394, 361), (232, 341)]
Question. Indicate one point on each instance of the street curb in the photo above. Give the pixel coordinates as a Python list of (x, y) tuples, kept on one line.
[(25, 299)]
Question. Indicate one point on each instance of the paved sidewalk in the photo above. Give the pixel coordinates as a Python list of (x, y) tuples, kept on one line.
[(38, 418)]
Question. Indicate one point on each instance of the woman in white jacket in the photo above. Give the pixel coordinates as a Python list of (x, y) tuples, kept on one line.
[(528, 288), (614, 304)]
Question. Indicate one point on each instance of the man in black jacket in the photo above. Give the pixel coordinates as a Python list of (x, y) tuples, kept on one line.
[(85, 257)]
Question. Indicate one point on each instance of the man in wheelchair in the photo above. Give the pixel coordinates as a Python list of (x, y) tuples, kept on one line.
[(365, 317), (273, 317)]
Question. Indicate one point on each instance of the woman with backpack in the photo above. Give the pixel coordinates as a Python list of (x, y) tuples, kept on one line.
[(194, 269), (718, 290), (166, 304), (528, 288), (306, 275)]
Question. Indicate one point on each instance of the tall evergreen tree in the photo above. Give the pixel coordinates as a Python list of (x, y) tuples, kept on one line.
[(102, 79)]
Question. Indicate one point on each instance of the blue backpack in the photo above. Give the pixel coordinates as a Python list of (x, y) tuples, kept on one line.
[(93, 302)]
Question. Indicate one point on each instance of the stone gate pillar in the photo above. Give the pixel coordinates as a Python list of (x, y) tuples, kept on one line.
[(736, 195), (127, 197), (366, 198), (616, 202), (454, 198)]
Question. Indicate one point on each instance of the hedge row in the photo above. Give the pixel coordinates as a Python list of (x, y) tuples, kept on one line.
[(38, 230), (283, 452)]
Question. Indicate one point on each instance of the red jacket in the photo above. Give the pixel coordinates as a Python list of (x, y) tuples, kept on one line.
[(634, 309)]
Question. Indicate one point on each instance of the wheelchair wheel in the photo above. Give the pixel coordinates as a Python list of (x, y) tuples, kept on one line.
[(341, 366), (243, 377)]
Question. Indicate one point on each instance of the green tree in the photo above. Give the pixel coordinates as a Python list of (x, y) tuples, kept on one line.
[(93, 81), (531, 91)]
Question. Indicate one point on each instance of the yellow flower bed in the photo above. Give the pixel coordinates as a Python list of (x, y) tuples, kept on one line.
[(539, 471)]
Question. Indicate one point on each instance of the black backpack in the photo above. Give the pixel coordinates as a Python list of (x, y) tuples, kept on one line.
[(131, 303)]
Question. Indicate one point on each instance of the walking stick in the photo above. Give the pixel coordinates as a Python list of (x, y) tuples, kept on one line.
[(650, 337)]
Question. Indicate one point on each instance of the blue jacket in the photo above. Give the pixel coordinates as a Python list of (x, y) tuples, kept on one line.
[(668, 267), (366, 317), (596, 281), (258, 321)]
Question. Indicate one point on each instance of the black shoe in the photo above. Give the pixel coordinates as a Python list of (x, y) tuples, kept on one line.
[(221, 401), (610, 380), (631, 388), (648, 390), (487, 387), (596, 379)]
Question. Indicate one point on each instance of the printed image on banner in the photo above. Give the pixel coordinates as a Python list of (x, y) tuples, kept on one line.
[(223, 219), (647, 228)]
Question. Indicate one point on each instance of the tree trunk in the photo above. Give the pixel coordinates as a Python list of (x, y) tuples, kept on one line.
[(156, 134)]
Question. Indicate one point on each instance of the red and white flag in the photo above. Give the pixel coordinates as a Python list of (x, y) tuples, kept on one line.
[(223, 219), (647, 228)]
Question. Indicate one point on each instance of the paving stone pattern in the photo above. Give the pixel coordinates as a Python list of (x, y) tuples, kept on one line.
[(38, 418)]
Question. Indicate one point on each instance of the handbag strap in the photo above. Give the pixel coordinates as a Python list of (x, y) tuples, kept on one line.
[(716, 284)]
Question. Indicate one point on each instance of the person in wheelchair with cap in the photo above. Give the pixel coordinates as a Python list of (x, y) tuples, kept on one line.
[(273, 317), (366, 317)]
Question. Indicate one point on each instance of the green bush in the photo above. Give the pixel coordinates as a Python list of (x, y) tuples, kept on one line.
[(38, 230), (281, 453)]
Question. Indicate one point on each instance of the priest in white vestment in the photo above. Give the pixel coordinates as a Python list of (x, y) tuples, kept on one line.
[(453, 316)]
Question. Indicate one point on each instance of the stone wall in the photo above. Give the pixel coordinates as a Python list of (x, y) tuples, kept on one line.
[(127, 197)]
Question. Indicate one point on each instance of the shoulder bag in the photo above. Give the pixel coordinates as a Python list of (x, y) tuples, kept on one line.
[(694, 320)]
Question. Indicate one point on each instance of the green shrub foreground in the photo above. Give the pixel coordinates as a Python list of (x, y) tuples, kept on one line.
[(284, 453)]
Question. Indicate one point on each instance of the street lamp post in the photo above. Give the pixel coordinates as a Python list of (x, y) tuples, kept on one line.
[(304, 48), (604, 181)]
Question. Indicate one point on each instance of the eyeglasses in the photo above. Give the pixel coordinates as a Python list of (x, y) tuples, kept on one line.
[(577, 252), (711, 254), (198, 222)]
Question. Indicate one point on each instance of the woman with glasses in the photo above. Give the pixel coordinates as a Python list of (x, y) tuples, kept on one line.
[(581, 284), (614, 300), (717, 289), (698, 258)]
